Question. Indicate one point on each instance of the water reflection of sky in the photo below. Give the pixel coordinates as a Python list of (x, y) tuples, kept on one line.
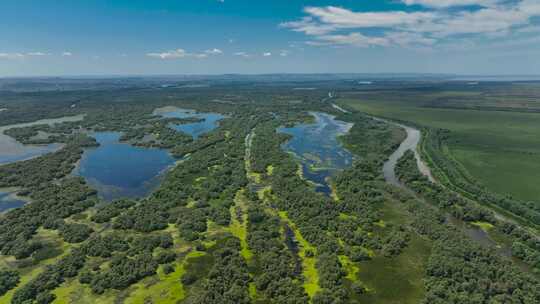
[(17, 151), (318, 148), (9, 201), (11, 150), (194, 129), (121, 170)]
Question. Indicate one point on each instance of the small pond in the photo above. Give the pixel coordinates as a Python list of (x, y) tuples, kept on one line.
[(9, 200), (209, 120), (317, 147), (120, 170)]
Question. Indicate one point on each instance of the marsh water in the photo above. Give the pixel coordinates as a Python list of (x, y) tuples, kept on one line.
[(317, 147), (11, 150), (209, 121), (9, 200), (120, 170)]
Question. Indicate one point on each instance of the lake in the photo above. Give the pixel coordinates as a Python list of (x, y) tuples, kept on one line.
[(209, 122), (120, 170), (12, 150), (317, 147)]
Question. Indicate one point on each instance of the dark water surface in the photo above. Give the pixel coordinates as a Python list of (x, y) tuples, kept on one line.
[(121, 170), (9, 201), (317, 147), (209, 123)]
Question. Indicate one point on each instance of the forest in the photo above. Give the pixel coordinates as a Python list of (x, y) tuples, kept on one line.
[(237, 219)]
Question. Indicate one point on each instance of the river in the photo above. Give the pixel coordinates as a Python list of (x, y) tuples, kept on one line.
[(410, 143), (475, 233)]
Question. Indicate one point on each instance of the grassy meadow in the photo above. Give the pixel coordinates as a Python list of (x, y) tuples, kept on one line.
[(501, 149)]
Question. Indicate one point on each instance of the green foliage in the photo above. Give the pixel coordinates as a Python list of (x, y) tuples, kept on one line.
[(39, 288), (75, 233), (123, 271), (111, 210), (228, 279), (8, 280), (50, 203), (277, 265)]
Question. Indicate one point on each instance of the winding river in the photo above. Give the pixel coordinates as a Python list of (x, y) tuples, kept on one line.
[(411, 142)]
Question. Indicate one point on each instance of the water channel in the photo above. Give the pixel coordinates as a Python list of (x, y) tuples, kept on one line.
[(317, 147)]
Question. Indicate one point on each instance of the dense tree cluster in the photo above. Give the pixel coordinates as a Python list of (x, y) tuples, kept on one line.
[(278, 267), (134, 236), (39, 289), (458, 206), (106, 212), (525, 246), (123, 271), (105, 246), (75, 233), (372, 139), (227, 282), (460, 271), (145, 217), (34, 172), (8, 280), (50, 203), (311, 212)]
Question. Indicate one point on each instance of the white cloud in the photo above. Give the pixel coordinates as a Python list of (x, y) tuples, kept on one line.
[(406, 39), (213, 52), (267, 54), (18, 55), (356, 39), (449, 3), (493, 19), (309, 26), (178, 53), (242, 54), (283, 53), (11, 56), (181, 53), (343, 18), (67, 54)]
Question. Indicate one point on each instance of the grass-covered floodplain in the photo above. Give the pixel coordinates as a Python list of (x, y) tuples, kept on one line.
[(501, 149)]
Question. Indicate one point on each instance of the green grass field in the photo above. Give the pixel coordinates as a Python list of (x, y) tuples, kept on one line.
[(500, 149)]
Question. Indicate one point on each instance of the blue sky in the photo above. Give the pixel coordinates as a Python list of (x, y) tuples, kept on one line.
[(79, 37)]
